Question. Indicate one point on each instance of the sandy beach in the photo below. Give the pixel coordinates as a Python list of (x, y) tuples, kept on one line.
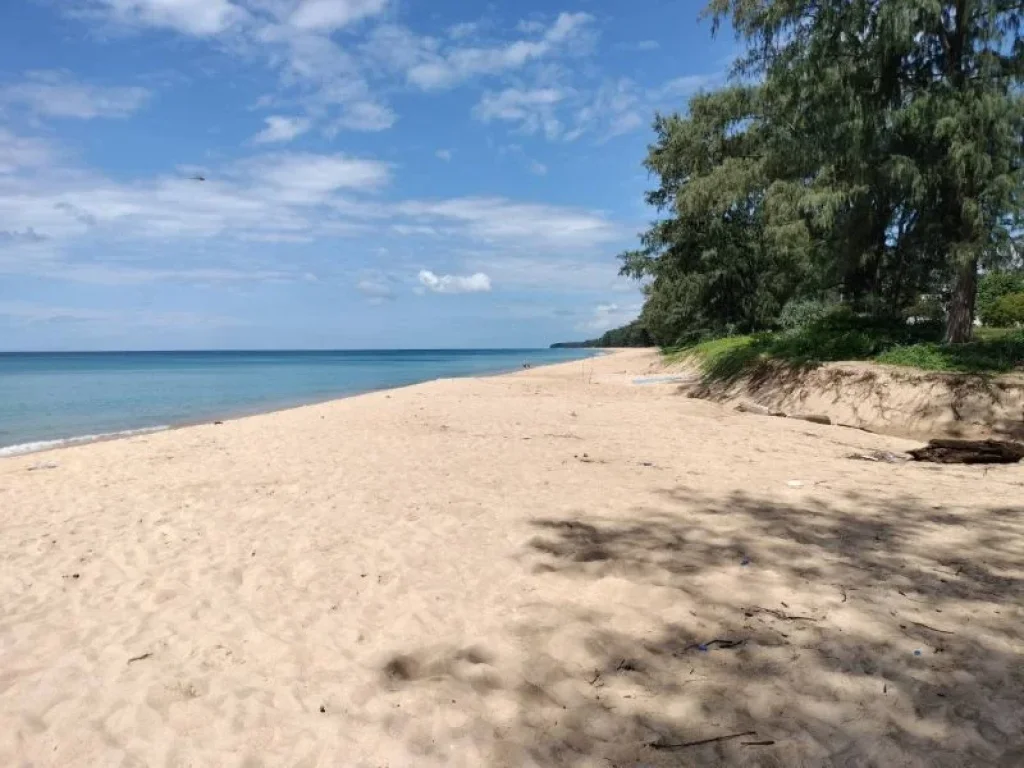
[(558, 567)]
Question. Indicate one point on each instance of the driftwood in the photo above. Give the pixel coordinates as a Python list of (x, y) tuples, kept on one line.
[(970, 452), (814, 418)]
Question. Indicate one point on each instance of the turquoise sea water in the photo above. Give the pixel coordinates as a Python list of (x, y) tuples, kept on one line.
[(47, 399)]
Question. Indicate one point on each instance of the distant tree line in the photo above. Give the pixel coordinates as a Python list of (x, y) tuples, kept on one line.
[(866, 153), (632, 335)]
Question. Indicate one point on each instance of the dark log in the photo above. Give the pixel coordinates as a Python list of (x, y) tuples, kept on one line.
[(970, 452), (814, 418)]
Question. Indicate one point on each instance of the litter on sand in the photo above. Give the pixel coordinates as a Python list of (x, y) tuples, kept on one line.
[(661, 380)]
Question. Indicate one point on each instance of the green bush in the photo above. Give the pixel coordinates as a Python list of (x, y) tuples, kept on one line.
[(1008, 311), (927, 309), (800, 313), (992, 288)]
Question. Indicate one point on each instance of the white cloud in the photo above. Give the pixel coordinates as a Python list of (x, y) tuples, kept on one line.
[(445, 69), (685, 86), (444, 154), (538, 168), (415, 230), (533, 109), (477, 283), (57, 94), (555, 273), (627, 122), (292, 37), (463, 30), (31, 313), (376, 289), (616, 103), (279, 197), (328, 15), (640, 45), (497, 219), (365, 116), (21, 152), (607, 316), (67, 223), (622, 106), (282, 129), (306, 177), (197, 18)]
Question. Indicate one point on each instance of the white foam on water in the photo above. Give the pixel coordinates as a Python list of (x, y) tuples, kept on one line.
[(45, 445)]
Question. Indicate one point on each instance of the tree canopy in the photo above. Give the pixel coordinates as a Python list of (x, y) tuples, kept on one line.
[(866, 152)]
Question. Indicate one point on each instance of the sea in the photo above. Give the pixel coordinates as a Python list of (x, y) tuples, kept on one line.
[(52, 399)]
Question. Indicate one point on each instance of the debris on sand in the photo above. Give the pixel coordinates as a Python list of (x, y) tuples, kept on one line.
[(970, 452), (884, 456), (814, 418), (755, 408)]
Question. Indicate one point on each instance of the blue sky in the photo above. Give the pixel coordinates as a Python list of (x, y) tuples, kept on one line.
[(378, 173)]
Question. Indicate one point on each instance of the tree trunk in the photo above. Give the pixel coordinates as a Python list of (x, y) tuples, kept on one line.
[(960, 319)]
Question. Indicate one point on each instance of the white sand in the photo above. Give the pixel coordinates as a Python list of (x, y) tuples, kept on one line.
[(512, 571)]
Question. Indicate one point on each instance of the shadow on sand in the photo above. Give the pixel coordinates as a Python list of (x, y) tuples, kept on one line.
[(698, 631)]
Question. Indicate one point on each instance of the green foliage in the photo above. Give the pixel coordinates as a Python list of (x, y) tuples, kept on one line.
[(991, 290), (1008, 311), (632, 335), (927, 309), (727, 358), (800, 313), (872, 152), (991, 355), (723, 359)]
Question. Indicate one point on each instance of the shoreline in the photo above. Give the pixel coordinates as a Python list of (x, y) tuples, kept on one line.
[(43, 446)]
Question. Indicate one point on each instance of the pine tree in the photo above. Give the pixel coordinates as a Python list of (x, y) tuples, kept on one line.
[(910, 116)]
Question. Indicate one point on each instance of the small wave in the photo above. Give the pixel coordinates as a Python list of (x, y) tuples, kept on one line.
[(45, 445)]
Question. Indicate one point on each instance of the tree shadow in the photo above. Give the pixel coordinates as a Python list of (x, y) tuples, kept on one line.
[(860, 632)]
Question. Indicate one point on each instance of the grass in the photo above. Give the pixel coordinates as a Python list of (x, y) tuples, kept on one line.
[(848, 339)]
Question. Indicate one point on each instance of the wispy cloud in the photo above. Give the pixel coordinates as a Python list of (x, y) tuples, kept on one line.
[(551, 273), (281, 129), (308, 177), (293, 36), (197, 18), (639, 45), (604, 317), (377, 290), (431, 64), (59, 94), (533, 110), (443, 154), (329, 15), (30, 313), (476, 283), (56, 217), (494, 219), (22, 152), (620, 106)]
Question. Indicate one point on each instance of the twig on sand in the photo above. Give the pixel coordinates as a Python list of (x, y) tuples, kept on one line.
[(783, 616), (687, 744), (722, 644), (765, 743), (933, 629), (143, 657), (911, 599)]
